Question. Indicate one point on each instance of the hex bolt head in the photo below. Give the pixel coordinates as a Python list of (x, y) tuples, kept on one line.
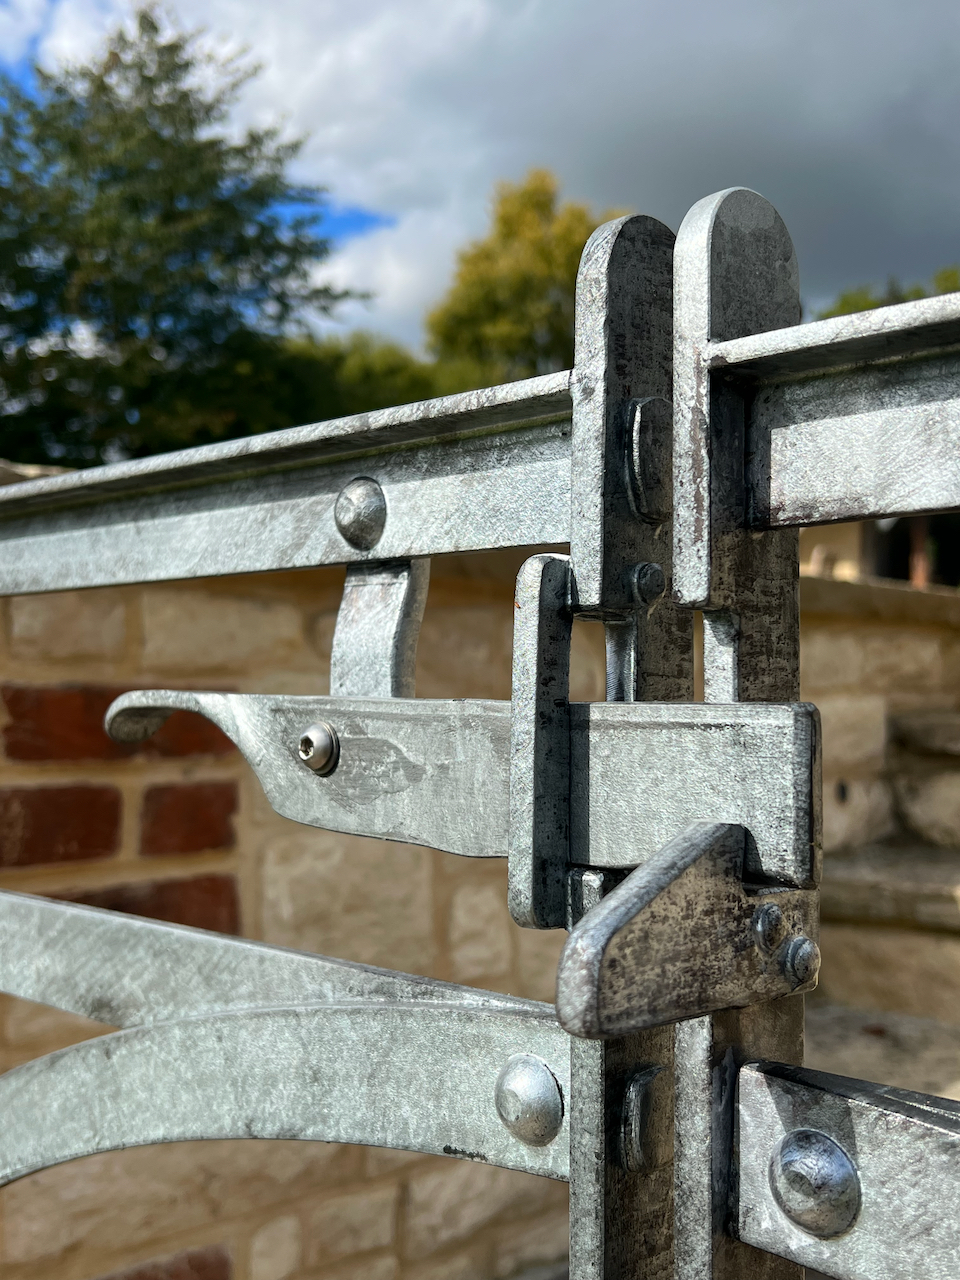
[(361, 512), (769, 927), (815, 1183), (319, 747), (801, 960), (649, 583), (528, 1100)]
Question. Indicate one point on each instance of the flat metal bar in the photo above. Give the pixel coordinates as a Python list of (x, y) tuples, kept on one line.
[(641, 773), (374, 651), (906, 1151), (887, 333), (128, 972), (417, 1077), (878, 440), (479, 470), (437, 773)]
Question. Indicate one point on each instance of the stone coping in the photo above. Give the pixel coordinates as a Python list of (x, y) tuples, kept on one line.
[(914, 886), (880, 600)]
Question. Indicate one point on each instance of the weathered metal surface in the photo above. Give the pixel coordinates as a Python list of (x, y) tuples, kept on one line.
[(129, 972), (478, 470), (422, 771), (906, 1151), (677, 940), (736, 275), (641, 773), (437, 773), (375, 640), (539, 779), (420, 1076)]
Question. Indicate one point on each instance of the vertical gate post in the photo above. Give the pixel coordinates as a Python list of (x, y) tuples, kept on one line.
[(621, 1217), (735, 275)]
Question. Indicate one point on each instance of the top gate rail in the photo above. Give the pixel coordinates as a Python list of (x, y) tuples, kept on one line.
[(678, 842)]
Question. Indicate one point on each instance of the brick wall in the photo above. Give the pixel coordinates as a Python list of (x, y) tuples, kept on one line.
[(178, 829)]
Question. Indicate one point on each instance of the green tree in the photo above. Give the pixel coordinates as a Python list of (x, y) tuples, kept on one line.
[(509, 311), (150, 268), (864, 297)]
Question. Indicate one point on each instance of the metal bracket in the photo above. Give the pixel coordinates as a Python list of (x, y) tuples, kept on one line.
[(375, 640), (682, 936)]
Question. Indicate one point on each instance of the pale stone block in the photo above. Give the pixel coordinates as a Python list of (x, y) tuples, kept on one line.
[(588, 663), (465, 652), (355, 1223), (528, 1244), (145, 1193), (856, 811), (457, 1266), (538, 954), (346, 896), (481, 933), (931, 806), (380, 1160), (36, 1026), (876, 884), (193, 631), (382, 1267), (900, 970), (68, 625), (902, 658), (854, 731), (901, 1051), (275, 1249), (830, 658), (445, 1206)]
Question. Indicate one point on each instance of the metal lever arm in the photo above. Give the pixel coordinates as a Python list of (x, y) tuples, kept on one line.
[(851, 1178), (683, 936), (417, 1076)]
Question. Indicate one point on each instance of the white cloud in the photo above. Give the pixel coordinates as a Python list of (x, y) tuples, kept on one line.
[(841, 112)]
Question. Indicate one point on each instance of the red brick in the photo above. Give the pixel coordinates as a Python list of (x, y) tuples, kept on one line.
[(58, 824), (204, 902), (212, 1263), (48, 723), (187, 817)]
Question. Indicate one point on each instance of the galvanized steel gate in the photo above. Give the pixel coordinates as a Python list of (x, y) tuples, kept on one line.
[(678, 841)]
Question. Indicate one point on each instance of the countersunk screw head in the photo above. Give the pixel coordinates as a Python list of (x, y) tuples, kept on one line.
[(815, 1183), (769, 927), (361, 512), (319, 747), (649, 583), (528, 1100), (801, 961)]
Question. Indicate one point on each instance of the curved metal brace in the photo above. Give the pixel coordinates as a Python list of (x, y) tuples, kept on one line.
[(683, 936), (415, 1077), (130, 972), (427, 772)]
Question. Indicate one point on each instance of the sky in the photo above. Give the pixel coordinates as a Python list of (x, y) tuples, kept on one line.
[(843, 113)]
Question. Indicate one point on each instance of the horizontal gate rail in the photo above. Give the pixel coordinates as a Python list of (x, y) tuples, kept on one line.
[(128, 972), (478, 470), (420, 1077)]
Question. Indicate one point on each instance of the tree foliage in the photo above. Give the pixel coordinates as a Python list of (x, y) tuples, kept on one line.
[(865, 298), (149, 269), (509, 311)]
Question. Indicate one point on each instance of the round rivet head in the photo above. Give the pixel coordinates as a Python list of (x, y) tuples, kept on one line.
[(815, 1183), (361, 512), (529, 1101), (319, 747), (802, 960), (769, 926), (649, 583)]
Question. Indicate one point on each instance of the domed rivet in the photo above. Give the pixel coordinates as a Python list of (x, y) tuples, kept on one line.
[(801, 960), (528, 1100), (815, 1183), (769, 927), (361, 512), (319, 747)]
